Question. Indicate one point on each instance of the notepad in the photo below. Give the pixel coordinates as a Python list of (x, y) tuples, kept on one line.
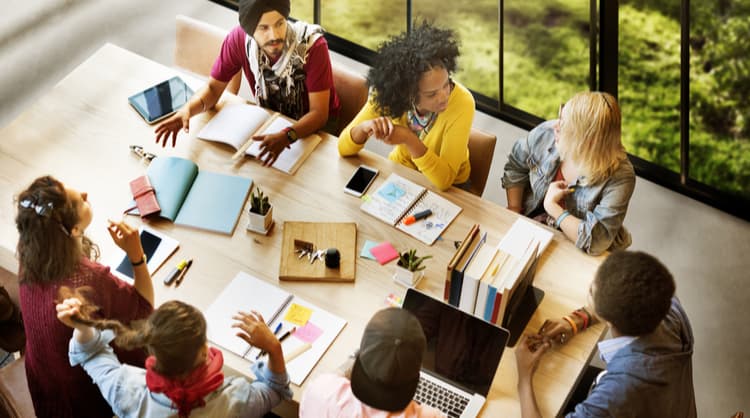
[(245, 293), (236, 124), (204, 200), (398, 197)]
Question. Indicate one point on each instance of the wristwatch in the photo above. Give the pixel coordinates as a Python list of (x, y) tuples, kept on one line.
[(291, 135)]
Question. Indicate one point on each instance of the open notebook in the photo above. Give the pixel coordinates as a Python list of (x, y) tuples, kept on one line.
[(398, 197), (312, 325), (236, 124), (200, 199)]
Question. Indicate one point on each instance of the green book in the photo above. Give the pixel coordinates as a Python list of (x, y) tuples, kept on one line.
[(200, 199)]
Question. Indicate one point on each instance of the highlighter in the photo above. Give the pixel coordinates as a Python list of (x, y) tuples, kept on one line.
[(175, 272), (417, 216)]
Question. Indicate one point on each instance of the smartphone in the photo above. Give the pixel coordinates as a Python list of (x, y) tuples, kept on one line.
[(150, 243), (360, 180), (159, 101)]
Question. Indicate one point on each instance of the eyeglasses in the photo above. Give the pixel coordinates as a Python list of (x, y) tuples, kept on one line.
[(140, 152), (43, 210)]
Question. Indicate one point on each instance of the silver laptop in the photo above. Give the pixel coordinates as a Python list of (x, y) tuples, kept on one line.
[(462, 356)]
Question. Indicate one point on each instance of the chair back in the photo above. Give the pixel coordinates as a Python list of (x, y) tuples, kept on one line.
[(481, 151), (15, 400), (352, 91), (197, 44)]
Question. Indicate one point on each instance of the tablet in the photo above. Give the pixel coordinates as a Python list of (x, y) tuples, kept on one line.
[(158, 102)]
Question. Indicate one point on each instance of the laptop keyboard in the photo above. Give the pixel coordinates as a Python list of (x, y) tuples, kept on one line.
[(436, 396)]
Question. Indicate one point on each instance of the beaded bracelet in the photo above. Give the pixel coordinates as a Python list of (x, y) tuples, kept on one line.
[(560, 218), (572, 324), (584, 317)]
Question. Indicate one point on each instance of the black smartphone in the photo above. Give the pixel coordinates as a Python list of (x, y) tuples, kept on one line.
[(158, 102), (360, 180), (150, 243)]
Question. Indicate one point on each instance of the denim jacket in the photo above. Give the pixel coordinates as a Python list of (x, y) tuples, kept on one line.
[(124, 387), (533, 163)]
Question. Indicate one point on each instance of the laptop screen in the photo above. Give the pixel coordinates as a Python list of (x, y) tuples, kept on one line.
[(461, 348)]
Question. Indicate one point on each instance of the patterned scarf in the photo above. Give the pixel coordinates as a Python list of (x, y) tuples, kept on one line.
[(281, 86), (187, 393), (420, 125)]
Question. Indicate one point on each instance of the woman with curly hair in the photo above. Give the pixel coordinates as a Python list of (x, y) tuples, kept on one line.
[(415, 106), (53, 251)]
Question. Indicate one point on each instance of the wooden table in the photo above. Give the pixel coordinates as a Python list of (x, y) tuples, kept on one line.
[(80, 131)]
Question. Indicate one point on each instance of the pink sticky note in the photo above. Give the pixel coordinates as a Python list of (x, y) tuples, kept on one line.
[(309, 333), (384, 252)]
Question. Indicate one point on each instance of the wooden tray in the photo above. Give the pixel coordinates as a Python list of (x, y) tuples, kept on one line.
[(342, 236)]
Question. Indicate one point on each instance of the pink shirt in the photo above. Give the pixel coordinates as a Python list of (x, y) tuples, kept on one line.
[(318, 72), (330, 395)]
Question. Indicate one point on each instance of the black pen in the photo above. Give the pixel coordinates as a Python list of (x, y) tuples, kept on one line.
[(183, 273), (281, 339)]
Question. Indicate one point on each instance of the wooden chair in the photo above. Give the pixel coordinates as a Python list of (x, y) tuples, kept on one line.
[(481, 151), (352, 90), (197, 46), (15, 400)]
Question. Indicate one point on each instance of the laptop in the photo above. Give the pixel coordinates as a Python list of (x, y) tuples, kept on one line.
[(463, 353)]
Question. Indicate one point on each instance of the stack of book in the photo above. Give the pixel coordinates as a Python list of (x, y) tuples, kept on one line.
[(483, 279)]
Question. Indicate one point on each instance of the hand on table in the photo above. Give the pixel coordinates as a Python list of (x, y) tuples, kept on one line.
[(271, 147), (171, 126)]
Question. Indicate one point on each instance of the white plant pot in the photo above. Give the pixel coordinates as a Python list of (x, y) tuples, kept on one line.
[(261, 223), (405, 277)]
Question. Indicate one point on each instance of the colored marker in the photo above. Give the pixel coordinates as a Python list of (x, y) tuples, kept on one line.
[(175, 271), (184, 272), (417, 216)]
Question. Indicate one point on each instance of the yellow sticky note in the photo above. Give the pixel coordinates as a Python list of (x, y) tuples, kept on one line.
[(298, 314)]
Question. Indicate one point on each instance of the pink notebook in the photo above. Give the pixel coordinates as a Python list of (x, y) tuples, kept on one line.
[(384, 252)]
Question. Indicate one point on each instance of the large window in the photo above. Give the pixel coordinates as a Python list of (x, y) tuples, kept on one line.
[(679, 68)]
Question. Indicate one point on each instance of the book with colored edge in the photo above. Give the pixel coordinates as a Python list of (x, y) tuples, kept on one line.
[(457, 278), (487, 291), (521, 234), (474, 271), (512, 283), (236, 124), (277, 306), (397, 198), (200, 199), (464, 244)]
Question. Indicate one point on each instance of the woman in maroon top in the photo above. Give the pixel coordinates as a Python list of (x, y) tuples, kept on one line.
[(53, 252)]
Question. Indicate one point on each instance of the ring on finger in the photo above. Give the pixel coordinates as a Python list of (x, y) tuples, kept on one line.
[(563, 337)]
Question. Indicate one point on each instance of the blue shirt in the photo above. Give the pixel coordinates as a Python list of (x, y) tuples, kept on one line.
[(124, 387), (601, 207)]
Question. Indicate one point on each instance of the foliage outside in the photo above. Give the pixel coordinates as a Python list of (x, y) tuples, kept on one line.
[(546, 61)]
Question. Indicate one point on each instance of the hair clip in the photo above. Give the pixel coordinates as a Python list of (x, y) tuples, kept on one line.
[(40, 209), (140, 152)]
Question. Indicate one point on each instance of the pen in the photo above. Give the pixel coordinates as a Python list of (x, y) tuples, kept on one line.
[(417, 216), (275, 332), (175, 271), (184, 272), (287, 334)]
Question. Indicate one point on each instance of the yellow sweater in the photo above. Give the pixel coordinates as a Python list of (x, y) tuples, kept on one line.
[(446, 161)]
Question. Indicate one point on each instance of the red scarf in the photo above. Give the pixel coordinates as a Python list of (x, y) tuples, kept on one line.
[(188, 393)]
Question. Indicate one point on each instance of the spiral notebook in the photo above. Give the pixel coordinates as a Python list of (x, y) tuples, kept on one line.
[(398, 198)]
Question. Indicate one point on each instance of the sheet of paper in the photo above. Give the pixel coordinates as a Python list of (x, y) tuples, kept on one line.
[(521, 233), (392, 199), (291, 158), (365, 253), (234, 124), (429, 229)]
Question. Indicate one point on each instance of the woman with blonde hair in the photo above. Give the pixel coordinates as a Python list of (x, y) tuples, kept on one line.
[(573, 173), (183, 376)]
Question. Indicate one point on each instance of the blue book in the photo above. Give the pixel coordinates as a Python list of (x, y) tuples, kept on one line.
[(202, 200)]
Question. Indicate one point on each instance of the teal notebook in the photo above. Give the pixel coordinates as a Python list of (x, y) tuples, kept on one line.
[(202, 200)]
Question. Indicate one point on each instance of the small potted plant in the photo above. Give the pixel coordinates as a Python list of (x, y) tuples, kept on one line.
[(409, 269), (261, 212)]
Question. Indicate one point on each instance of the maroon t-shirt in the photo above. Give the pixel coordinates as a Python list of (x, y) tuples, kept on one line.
[(57, 389), (318, 73)]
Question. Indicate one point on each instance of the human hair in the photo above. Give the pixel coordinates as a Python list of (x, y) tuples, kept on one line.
[(592, 128), (403, 59), (174, 334), (46, 249), (633, 291)]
